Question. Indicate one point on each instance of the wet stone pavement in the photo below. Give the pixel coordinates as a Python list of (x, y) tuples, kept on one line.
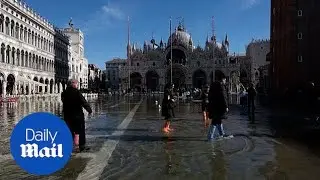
[(126, 143)]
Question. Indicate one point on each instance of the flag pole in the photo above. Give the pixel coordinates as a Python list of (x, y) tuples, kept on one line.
[(171, 51), (213, 49), (128, 56)]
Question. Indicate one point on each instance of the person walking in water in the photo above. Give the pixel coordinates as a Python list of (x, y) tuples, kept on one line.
[(73, 102), (218, 106), (205, 103), (168, 104), (252, 93)]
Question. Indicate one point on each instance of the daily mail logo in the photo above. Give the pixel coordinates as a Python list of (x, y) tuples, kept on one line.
[(41, 143), (33, 150)]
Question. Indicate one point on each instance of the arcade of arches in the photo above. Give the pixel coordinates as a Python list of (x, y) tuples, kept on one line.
[(199, 78), (178, 77), (178, 56), (152, 80), (12, 85), (136, 81)]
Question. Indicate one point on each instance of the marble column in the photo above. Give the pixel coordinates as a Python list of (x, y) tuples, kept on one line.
[(33, 88), (55, 88), (29, 88), (17, 88), (4, 89), (48, 89), (24, 88), (60, 87)]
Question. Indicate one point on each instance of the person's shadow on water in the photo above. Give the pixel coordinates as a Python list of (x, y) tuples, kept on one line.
[(168, 147), (252, 118), (218, 163)]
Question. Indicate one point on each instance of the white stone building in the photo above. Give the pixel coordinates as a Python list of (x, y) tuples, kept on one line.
[(78, 63), (257, 52), (34, 54), (94, 77), (112, 73)]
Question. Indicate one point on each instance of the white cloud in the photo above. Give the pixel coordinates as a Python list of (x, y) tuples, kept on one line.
[(247, 4), (113, 12), (105, 17)]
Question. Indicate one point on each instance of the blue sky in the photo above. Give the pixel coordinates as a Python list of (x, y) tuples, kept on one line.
[(105, 22)]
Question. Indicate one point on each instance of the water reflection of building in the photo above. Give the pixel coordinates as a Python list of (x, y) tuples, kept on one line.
[(193, 66), (11, 113)]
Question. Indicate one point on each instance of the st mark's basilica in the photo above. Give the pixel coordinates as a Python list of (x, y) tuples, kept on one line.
[(193, 66)]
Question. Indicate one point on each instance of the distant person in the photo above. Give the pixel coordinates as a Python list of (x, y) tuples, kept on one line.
[(73, 102), (218, 106), (168, 104), (252, 93), (205, 104), (243, 101)]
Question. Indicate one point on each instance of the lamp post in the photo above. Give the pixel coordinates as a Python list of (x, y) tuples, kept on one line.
[(171, 51), (213, 49), (128, 56)]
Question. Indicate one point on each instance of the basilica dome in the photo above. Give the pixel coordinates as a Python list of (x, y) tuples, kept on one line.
[(180, 37)]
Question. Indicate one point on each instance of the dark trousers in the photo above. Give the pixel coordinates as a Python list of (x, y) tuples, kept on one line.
[(251, 105), (78, 127)]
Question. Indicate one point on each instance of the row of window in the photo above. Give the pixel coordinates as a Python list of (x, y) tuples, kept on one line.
[(10, 28), (19, 32), (11, 55), (26, 20), (76, 69), (299, 12), (300, 58)]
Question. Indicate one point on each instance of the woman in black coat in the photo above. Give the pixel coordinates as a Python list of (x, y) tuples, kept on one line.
[(168, 104)]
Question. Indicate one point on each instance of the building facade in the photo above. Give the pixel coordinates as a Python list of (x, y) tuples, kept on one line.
[(257, 52), (294, 44), (112, 73), (34, 54), (77, 62), (94, 77), (192, 67)]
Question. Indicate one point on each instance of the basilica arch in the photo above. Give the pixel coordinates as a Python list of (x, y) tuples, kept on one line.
[(217, 74), (178, 55), (10, 84), (152, 80), (234, 81), (46, 90), (199, 78), (51, 85), (244, 78), (136, 81), (178, 77), (40, 87)]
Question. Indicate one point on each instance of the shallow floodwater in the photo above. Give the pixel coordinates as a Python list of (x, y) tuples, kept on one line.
[(144, 152)]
